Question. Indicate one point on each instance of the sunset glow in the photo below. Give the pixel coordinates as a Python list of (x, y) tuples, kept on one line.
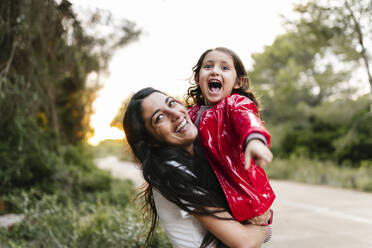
[(106, 107), (171, 43)]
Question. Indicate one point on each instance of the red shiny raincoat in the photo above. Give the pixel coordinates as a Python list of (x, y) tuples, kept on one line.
[(223, 130)]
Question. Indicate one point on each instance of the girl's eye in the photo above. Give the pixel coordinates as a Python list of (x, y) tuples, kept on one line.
[(159, 118), (225, 67), (207, 66)]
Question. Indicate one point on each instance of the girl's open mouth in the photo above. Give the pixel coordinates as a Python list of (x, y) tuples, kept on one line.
[(214, 86)]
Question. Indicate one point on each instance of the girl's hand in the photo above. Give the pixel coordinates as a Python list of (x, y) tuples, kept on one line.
[(259, 151), (262, 219)]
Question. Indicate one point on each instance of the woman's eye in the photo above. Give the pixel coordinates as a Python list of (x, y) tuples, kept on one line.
[(171, 103), (159, 118)]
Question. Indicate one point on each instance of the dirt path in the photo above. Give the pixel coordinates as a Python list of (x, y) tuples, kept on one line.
[(9, 220), (306, 216), (120, 169)]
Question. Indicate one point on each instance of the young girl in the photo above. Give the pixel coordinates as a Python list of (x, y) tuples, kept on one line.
[(231, 134)]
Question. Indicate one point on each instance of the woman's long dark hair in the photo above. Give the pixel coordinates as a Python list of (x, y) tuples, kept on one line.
[(194, 94), (192, 192)]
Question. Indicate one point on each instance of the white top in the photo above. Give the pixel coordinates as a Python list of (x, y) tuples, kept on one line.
[(183, 229)]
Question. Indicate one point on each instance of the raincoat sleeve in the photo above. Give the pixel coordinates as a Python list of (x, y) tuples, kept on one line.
[(245, 119)]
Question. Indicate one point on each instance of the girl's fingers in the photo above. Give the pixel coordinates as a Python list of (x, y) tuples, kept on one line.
[(247, 161)]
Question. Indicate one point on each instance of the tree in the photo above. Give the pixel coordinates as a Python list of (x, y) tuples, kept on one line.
[(290, 78), (45, 44), (46, 56), (117, 121), (303, 93), (345, 26)]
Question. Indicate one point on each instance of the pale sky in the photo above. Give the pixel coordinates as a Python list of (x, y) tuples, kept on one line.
[(175, 34)]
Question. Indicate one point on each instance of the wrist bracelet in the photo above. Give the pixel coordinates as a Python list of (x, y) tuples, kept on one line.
[(269, 234)]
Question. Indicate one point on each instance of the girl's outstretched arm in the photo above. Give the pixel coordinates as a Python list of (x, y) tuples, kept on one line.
[(233, 233), (259, 151)]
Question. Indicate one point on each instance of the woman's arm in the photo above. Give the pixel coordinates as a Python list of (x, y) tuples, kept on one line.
[(233, 233)]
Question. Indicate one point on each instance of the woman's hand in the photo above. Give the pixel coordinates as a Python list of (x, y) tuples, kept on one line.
[(233, 233), (259, 151)]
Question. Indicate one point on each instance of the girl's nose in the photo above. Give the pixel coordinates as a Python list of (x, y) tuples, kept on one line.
[(215, 70)]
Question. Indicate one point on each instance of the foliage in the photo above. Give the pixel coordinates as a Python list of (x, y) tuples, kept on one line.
[(118, 119), (47, 174), (338, 131), (45, 45), (118, 148), (344, 27), (45, 103), (288, 76), (107, 148), (26, 145), (356, 144), (305, 82), (72, 176), (99, 223)]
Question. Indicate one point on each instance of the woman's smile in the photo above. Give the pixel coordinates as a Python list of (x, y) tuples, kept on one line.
[(182, 126)]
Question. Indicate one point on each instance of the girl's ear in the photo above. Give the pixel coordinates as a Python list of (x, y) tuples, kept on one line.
[(239, 83), (196, 79)]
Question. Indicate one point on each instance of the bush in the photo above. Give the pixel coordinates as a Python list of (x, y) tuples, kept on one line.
[(49, 223), (27, 155), (79, 175), (356, 144), (340, 131), (118, 148)]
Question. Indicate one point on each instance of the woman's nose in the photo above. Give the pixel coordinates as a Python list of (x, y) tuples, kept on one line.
[(174, 114)]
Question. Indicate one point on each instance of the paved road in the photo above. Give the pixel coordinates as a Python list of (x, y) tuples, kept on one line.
[(311, 216), (306, 216)]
